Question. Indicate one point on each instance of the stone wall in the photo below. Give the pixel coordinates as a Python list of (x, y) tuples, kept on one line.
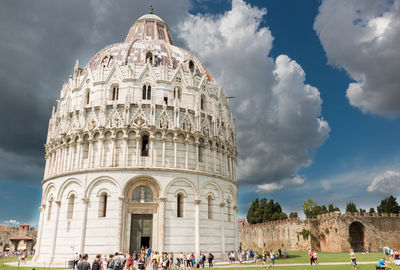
[(5, 236), (329, 232)]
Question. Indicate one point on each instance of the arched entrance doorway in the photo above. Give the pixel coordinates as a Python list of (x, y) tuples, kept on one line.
[(142, 214), (356, 234)]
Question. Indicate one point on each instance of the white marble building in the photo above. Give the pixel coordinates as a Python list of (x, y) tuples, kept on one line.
[(141, 151)]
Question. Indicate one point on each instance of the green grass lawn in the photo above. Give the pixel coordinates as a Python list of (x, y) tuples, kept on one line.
[(302, 257), (314, 267)]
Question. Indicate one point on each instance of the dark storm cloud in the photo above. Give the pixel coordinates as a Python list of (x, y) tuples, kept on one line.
[(40, 41)]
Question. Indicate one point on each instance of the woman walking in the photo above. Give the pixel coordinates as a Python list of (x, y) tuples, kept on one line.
[(353, 259)]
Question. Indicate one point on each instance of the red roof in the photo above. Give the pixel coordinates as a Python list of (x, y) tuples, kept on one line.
[(20, 238)]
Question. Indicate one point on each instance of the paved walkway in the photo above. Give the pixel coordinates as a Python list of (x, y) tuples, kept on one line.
[(29, 263), (286, 264)]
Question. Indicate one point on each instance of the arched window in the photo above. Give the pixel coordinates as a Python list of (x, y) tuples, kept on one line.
[(145, 145), (115, 92), (191, 66), (87, 97), (228, 202), (179, 205), (50, 208), (149, 57), (103, 204), (202, 102), (210, 207), (71, 203), (142, 194), (146, 94)]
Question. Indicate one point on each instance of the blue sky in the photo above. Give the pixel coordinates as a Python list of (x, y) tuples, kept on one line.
[(357, 159)]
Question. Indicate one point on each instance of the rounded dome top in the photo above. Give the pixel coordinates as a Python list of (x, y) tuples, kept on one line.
[(148, 40), (150, 16)]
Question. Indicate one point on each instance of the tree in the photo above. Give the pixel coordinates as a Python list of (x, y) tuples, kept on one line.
[(388, 205), (264, 210), (362, 211), (251, 213), (372, 210), (332, 208), (293, 215), (351, 207), (324, 210), (310, 208)]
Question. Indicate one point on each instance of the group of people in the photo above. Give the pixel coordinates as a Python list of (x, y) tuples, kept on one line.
[(393, 255), (313, 255), (147, 259)]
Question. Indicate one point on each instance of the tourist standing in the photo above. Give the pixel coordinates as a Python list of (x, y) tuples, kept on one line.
[(315, 257), (141, 262), (353, 258), (110, 262), (210, 260), (311, 256), (129, 262), (397, 259), (96, 264), (83, 264)]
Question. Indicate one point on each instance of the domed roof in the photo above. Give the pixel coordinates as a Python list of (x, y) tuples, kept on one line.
[(148, 39), (150, 16)]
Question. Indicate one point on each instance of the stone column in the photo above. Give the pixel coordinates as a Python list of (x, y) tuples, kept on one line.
[(113, 146), (161, 223), (71, 155), (120, 221), (56, 160), (222, 205), (79, 159), (54, 242), (235, 222), (175, 150), (163, 152), (126, 151), (85, 202), (101, 140), (220, 163), (215, 159), (197, 154), (90, 154), (197, 227), (137, 149), (206, 147), (151, 154), (40, 230), (186, 154)]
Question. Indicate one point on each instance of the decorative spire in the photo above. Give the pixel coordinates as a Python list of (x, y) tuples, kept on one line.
[(151, 9)]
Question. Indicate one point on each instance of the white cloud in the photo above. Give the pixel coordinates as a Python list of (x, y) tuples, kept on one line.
[(362, 37), (282, 184), (388, 183), (11, 222), (277, 115)]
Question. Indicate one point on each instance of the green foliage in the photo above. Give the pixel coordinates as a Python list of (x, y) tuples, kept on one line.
[(350, 239), (311, 209), (388, 205), (305, 233), (293, 215), (362, 211), (331, 208), (372, 210), (264, 210), (351, 207), (326, 231), (335, 230)]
